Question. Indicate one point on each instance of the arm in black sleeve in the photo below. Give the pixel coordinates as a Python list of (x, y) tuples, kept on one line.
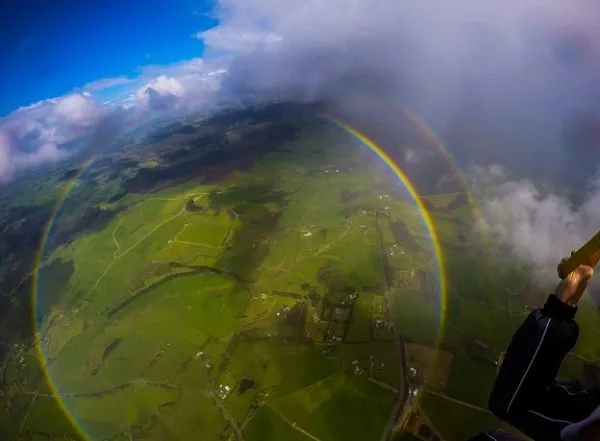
[(525, 393)]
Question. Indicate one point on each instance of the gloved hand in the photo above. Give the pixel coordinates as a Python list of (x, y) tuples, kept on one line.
[(571, 288)]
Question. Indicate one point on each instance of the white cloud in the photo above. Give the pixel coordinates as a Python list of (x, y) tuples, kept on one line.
[(417, 154), (40, 133), (165, 85), (231, 39), (540, 226), (500, 73), (496, 80), (78, 109), (160, 93), (6, 167), (193, 65), (45, 153), (191, 84), (57, 120), (106, 83), (410, 156), (12, 159)]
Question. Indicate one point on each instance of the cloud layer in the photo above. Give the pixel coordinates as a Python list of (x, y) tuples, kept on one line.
[(490, 77), (37, 134), (539, 226), (48, 131), (496, 81)]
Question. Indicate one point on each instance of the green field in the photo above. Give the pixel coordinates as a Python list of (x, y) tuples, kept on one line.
[(470, 380), (256, 300), (464, 423), (187, 292)]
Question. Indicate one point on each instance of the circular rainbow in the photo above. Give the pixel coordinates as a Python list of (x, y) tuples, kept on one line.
[(429, 135), (68, 187), (38, 265), (412, 191)]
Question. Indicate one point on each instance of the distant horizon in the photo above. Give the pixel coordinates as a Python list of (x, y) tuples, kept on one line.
[(100, 48)]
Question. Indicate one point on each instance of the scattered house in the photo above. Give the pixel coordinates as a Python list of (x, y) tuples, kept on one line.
[(223, 391), (375, 365), (356, 369), (335, 333), (308, 234), (382, 324)]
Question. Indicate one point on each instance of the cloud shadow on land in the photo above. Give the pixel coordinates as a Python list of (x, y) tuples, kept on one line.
[(228, 142), (496, 81), (258, 208)]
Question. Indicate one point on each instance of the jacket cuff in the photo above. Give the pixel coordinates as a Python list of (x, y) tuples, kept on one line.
[(554, 308)]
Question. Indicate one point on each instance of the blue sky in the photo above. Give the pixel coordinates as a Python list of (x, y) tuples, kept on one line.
[(50, 47)]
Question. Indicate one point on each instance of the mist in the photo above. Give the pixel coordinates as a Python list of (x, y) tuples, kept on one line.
[(494, 79), (499, 82), (540, 226)]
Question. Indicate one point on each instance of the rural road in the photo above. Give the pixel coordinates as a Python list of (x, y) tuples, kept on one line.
[(402, 394)]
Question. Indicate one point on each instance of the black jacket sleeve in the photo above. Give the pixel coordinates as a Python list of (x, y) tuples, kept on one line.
[(526, 393), (495, 435)]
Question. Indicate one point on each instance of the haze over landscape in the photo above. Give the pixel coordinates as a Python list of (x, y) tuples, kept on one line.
[(250, 219)]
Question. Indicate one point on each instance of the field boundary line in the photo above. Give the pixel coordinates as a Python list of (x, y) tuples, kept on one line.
[(115, 239), (27, 414), (135, 245), (293, 425), (454, 400)]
